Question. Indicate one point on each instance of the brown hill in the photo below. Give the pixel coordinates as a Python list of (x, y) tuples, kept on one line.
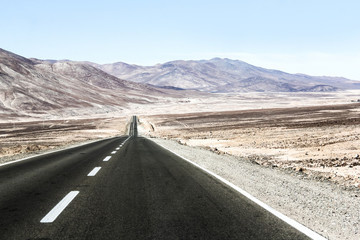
[(225, 75), (32, 87)]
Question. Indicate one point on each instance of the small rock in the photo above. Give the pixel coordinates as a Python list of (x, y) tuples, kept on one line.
[(357, 156)]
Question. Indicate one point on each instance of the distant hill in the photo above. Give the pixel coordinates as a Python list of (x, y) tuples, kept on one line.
[(226, 76), (32, 87)]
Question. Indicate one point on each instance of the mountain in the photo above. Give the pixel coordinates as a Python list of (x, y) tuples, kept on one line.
[(224, 75), (33, 87)]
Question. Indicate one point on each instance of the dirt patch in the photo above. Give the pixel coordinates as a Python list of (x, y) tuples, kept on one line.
[(18, 139), (320, 140)]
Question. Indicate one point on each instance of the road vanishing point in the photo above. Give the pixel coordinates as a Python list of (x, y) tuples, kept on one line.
[(126, 187)]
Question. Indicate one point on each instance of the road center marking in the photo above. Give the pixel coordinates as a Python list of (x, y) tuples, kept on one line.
[(57, 210), (113, 152), (117, 149), (107, 158), (94, 171)]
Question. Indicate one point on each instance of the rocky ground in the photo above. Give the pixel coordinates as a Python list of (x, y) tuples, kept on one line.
[(302, 160), (23, 139), (319, 140), (319, 204)]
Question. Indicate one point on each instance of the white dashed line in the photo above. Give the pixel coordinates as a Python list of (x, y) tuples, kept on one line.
[(117, 148), (94, 171), (57, 210), (113, 152), (107, 158)]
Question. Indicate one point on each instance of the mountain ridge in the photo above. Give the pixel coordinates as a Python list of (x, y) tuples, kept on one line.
[(222, 75), (33, 87)]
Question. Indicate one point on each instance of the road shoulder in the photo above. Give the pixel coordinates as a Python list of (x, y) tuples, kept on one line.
[(320, 205)]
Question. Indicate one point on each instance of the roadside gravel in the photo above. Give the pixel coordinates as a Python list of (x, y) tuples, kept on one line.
[(322, 206)]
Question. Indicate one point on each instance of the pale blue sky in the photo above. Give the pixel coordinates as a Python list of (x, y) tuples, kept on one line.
[(318, 37)]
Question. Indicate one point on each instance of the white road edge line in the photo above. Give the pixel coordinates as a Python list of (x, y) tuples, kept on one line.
[(307, 231), (57, 210), (94, 172), (107, 158)]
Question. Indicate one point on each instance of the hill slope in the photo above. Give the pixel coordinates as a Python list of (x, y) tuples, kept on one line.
[(224, 75), (31, 87)]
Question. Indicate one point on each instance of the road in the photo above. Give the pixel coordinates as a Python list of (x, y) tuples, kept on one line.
[(125, 188)]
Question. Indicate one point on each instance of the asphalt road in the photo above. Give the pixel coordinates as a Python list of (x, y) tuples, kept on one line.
[(137, 190)]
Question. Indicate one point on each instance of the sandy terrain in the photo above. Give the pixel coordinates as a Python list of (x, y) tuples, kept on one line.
[(324, 207), (272, 129), (321, 140), (284, 148), (19, 139), (243, 101)]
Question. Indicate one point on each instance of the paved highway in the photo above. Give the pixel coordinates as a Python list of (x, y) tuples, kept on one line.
[(126, 188)]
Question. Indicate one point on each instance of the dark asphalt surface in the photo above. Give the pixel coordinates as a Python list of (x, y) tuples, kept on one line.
[(142, 192)]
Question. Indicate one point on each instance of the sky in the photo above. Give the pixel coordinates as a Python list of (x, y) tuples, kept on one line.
[(315, 37)]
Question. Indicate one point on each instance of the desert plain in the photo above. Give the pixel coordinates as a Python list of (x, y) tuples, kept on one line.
[(277, 131), (313, 133), (297, 152)]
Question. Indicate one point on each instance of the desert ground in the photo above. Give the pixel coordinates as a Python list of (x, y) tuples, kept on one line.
[(321, 140), (297, 152), (23, 138), (314, 133)]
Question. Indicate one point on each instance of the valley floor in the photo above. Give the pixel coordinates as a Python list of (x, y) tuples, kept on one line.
[(28, 138), (298, 152), (321, 140)]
